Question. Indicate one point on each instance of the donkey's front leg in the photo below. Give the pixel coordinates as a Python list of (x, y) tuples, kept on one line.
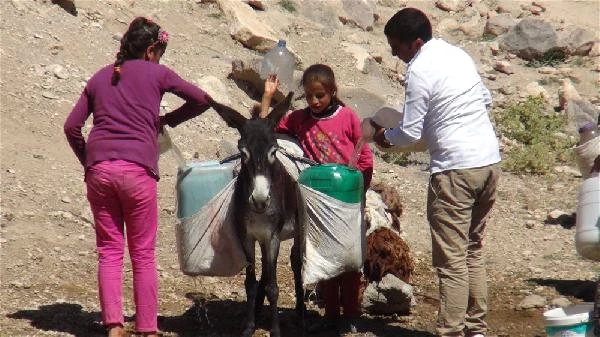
[(271, 288), (251, 288)]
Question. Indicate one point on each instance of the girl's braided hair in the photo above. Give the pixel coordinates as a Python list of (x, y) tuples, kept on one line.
[(141, 34)]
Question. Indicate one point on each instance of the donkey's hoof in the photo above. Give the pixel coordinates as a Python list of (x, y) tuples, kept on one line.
[(248, 332)]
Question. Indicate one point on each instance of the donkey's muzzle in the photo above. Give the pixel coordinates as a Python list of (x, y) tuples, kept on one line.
[(260, 205)]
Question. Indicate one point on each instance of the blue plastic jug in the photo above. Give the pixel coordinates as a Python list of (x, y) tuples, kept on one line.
[(198, 182)]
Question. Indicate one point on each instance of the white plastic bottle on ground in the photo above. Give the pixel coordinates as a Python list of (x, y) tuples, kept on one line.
[(281, 62)]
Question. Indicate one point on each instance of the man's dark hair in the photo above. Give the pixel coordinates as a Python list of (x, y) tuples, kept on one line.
[(407, 25)]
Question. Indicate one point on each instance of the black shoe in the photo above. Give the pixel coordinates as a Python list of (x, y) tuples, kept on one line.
[(322, 324), (347, 326)]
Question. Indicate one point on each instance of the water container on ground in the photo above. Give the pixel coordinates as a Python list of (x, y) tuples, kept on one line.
[(587, 233), (573, 321), (198, 182), (335, 180)]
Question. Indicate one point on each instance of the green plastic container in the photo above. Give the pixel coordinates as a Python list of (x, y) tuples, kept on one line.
[(337, 181), (199, 182)]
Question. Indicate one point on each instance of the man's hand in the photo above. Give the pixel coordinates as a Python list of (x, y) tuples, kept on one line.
[(379, 136)]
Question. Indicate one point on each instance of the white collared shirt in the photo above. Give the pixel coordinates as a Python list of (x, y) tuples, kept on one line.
[(446, 104)]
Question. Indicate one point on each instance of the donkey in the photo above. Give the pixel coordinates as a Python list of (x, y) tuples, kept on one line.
[(266, 210)]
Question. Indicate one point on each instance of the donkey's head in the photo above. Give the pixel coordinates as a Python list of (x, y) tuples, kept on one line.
[(257, 145)]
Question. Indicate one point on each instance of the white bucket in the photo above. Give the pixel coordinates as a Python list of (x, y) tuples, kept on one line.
[(573, 321), (587, 233)]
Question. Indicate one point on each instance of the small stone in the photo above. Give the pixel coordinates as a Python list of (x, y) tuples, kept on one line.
[(66, 200), (81, 237), (38, 36), (529, 224), (556, 214), (560, 302), (504, 67), (49, 95), (495, 47), (11, 171), (117, 37), (532, 301)]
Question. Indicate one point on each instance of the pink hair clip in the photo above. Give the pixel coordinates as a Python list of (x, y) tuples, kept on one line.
[(163, 36)]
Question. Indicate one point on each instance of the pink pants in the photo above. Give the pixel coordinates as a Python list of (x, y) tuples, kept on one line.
[(120, 193)]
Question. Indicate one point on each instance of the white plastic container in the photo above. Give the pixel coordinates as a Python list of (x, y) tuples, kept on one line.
[(587, 233), (389, 117), (573, 321), (281, 62)]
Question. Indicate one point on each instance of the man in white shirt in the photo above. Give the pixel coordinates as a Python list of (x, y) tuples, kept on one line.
[(446, 106)]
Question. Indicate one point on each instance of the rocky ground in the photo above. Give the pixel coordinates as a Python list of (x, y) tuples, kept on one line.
[(47, 248)]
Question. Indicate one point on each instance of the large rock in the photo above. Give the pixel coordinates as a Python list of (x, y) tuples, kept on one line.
[(359, 12), (246, 27), (531, 39), (499, 24), (215, 88), (579, 112), (360, 54), (325, 13), (577, 40), (389, 296)]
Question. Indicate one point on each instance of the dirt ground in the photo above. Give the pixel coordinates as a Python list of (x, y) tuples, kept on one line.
[(47, 242)]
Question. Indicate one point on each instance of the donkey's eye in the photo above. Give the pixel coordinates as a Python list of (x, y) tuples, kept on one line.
[(271, 155)]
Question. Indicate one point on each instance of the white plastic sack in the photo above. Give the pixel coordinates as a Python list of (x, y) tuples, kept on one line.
[(333, 237), (291, 146), (585, 154), (207, 243), (390, 117)]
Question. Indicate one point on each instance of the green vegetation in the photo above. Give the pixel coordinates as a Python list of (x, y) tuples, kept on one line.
[(396, 158), (549, 59), (287, 5), (537, 133), (487, 37), (217, 15)]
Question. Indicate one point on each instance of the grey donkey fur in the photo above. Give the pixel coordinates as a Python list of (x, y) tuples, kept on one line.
[(267, 211)]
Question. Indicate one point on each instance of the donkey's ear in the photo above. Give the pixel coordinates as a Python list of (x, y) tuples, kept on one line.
[(233, 118), (281, 109)]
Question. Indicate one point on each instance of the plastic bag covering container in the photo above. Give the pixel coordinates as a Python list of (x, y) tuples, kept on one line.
[(207, 242), (585, 154), (198, 182), (332, 223), (587, 232), (281, 62)]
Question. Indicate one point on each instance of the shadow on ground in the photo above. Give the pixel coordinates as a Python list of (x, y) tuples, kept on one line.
[(584, 290), (63, 317), (217, 318)]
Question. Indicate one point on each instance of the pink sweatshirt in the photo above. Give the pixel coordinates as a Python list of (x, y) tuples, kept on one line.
[(331, 139), (126, 116)]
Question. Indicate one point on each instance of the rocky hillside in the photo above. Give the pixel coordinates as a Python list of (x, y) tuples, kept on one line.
[(50, 48)]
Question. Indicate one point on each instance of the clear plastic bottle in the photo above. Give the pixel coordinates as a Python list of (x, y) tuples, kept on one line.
[(281, 62), (587, 132)]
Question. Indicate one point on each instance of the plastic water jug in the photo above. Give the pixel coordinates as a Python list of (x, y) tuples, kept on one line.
[(281, 62), (335, 180), (198, 182), (573, 321), (587, 233)]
